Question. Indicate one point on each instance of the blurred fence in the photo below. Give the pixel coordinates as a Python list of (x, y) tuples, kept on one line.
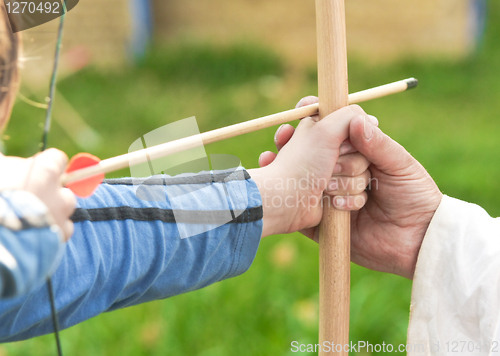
[(108, 33), (381, 30)]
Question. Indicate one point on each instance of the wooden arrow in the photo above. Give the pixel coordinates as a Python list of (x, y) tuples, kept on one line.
[(85, 172)]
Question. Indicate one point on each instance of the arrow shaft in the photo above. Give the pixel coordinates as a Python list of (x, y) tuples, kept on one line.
[(154, 152)]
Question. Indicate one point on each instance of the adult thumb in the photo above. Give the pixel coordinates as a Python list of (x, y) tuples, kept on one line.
[(381, 150)]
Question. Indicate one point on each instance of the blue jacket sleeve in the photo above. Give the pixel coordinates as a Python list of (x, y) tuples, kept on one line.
[(29, 244), (142, 240)]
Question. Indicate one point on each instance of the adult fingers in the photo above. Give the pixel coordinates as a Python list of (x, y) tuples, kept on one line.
[(385, 153)]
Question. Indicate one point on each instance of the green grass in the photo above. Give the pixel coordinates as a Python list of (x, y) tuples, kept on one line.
[(450, 124)]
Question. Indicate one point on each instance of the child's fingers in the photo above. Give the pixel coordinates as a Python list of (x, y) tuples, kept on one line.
[(351, 202), (67, 204), (68, 201), (334, 128), (351, 165), (283, 135), (308, 100), (53, 160), (349, 185), (67, 229), (266, 158), (346, 147)]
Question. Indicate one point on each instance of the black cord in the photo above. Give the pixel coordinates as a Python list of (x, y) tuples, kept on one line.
[(55, 320), (52, 87), (43, 146)]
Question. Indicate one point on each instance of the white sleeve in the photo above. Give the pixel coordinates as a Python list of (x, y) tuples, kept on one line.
[(456, 288)]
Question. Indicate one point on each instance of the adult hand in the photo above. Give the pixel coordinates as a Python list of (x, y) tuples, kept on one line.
[(40, 176), (386, 234)]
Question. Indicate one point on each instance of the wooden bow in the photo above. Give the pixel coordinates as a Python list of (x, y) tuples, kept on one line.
[(334, 231)]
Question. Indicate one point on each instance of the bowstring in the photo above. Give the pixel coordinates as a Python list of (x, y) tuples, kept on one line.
[(43, 146), (52, 89), (53, 312)]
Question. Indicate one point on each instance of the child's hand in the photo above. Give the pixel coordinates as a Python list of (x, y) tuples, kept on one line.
[(309, 163), (40, 176)]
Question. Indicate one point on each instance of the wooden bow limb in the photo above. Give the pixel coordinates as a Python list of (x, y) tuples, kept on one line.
[(183, 144), (335, 227)]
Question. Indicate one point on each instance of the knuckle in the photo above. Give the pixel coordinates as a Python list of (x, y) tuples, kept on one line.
[(68, 201), (307, 100), (355, 166), (356, 109), (359, 201), (310, 99), (69, 229), (71, 203), (51, 170), (305, 123), (355, 185), (352, 164), (57, 154), (368, 175), (54, 158), (361, 184)]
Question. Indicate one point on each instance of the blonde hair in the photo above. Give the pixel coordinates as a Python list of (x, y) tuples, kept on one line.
[(10, 47)]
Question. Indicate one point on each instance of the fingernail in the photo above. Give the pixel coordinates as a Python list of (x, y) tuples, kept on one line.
[(337, 169), (367, 130), (373, 120), (345, 147), (299, 103), (339, 201), (334, 185), (277, 132)]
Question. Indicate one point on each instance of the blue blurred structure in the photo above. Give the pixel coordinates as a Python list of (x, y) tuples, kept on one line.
[(142, 27), (477, 20)]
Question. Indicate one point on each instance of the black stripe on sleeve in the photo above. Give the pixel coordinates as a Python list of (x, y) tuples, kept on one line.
[(168, 215)]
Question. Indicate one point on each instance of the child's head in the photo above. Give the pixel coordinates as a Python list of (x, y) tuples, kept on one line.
[(9, 74)]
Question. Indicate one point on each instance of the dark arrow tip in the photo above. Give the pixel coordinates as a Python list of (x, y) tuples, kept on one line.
[(412, 83)]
